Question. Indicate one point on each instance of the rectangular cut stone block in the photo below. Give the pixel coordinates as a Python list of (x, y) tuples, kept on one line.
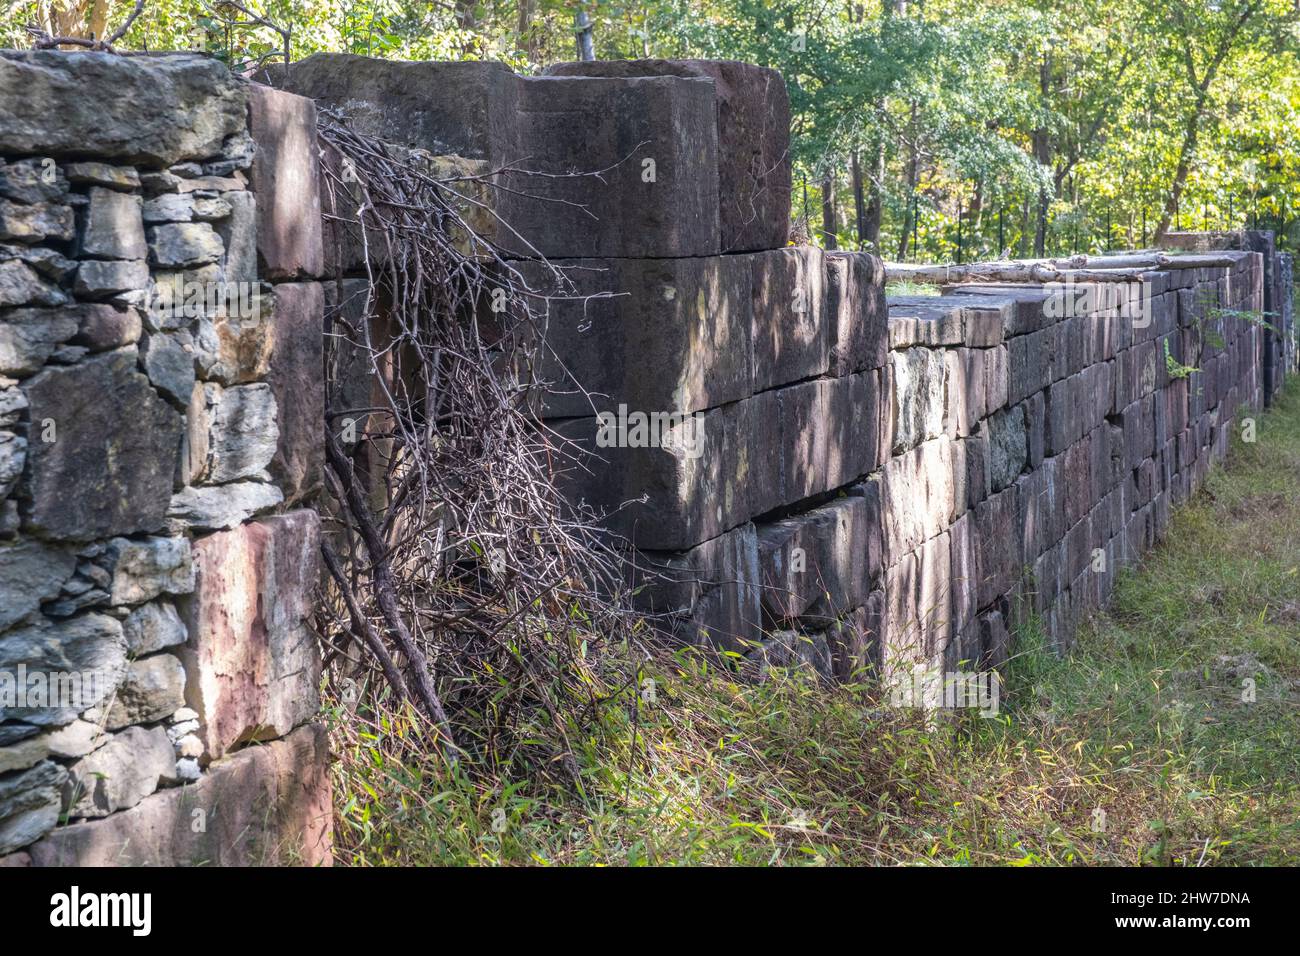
[(670, 488), (856, 314), (919, 395), (297, 379), (998, 545), (251, 660), (789, 301), (753, 113), (924, 320), (964, 391), (264, 806), (708, 595), (815, 564), (918, 497), (934, 595), (826, 429), (655, 139), (285, 176), (902, 641), (657, 335)]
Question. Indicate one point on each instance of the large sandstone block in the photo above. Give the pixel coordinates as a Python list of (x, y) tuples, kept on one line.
[(670, 483), (462, 108), (790, 322), (816, 564), (113, 443), (654, 141), (998, 538), (297, 380), (753, 113), (155, 110), (919, 396), (857, 317), (284, 179), (708, 595), (266, 805), (251, 660), (826, 432), (918, 500), (656, 335)]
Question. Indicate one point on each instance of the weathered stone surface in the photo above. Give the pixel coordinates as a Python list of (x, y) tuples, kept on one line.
[(152, 627), (121, 773), (708, 595), (20, 285), (824, 433), (675, 335), (458, 107), (918, 496), (697, 480), (214, 507), (168, 360), (153, 688), (297, 382), (636, 210), (789, 316), (934, 594), (32, 180), (284, 179), (233, 347), (265, 805), (97, 478), (919, 394), (753, 142), (33, 223), (103, 174), (239, 235), (28, 337), (252, 661), (242, 433), (13, 454), (101, 278), (184, 244), (1008, 446), (924, 320), (997, 532), (112, 227), (29, 804), (151, 110), (142, 570), (23, 754), (44, 261), (857, 319), (30, 572), (102, 326), (73, 740), (964, 379), (815, 564), (82, 660)]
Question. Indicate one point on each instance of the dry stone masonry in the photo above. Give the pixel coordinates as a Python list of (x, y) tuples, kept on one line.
[(160, 405)]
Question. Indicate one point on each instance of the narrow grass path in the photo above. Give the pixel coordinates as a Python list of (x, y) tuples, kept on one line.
[(1170, 735)]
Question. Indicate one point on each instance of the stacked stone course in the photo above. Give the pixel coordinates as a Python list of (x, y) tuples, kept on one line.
[(154, 460), (847, 481)]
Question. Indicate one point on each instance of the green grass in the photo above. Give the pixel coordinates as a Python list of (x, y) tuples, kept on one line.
[(1135, 749)]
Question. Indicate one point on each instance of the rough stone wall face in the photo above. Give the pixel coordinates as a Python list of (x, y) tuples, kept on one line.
[(160, 405), (803, 471)]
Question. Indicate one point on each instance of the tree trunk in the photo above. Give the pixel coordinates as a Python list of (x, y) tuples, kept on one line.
[(828, 212), (586, 43), (859, 203)]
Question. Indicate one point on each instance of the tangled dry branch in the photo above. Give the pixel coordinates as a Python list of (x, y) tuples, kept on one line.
[(463, 579)]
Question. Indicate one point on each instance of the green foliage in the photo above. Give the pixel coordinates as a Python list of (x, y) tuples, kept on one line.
[(1045, 126)]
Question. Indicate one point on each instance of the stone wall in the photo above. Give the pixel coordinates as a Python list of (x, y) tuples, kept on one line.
[(799, 469), (160, 406)]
